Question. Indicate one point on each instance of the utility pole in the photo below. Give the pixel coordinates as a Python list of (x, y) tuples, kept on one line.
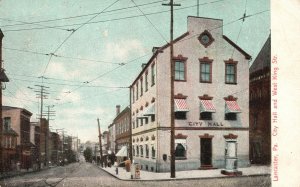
[(197, 8), (49, 114), (42, 94), (100, 143), (172, 135), (3, 78)]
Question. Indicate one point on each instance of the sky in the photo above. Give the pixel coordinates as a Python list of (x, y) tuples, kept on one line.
[(89, 52)]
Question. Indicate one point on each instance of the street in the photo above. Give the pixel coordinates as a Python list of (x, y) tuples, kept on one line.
[(87, 174)]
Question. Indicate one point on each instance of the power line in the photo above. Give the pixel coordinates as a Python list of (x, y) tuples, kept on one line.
[(150, 22), (78, 16), (35, 24), (58, 56), (51, 54), (116, 19)]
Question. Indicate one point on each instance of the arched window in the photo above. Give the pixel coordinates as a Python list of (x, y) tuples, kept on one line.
[(180, 151), (153, 152), (133, 151), (142, 151), (137, 150)]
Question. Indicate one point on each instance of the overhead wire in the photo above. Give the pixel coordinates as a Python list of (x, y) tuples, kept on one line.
[(122, 18), (162, 36), (79, 16), (51, 54)]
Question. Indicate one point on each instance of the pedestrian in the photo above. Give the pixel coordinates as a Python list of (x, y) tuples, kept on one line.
[(117, 170)]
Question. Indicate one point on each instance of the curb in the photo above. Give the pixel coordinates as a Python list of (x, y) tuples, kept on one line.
[(194, 178)]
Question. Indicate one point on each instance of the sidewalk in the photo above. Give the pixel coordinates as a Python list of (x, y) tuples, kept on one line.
[(191, 174)]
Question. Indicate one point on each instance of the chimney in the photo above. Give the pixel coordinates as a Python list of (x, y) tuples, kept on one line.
[(118, 109)]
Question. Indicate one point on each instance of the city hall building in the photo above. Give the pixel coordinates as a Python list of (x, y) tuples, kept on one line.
[(211, 102)]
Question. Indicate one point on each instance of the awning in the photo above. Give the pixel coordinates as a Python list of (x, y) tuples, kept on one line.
[(141, 115), (180, 105), (232, 107), (150, 110), (122, 152), (207, 106)]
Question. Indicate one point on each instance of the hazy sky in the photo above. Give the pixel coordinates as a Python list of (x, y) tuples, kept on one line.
[(112, 39)]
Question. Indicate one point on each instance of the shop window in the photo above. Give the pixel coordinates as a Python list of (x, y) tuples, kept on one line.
[(206, 116), (230, 116), (180, 115)]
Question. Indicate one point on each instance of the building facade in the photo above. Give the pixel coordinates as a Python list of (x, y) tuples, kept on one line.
[(211, 102), (260, 107), (112, 138), (122, 126), (19, 120)]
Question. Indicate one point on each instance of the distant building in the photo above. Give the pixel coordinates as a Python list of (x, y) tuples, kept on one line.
[(260, 107), (9, 140), (112, 138), (19, 119), (105, 142), (211, 102), (122, 125), (54, 147)]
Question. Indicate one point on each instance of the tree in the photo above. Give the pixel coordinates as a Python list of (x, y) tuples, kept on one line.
[(87, 153)]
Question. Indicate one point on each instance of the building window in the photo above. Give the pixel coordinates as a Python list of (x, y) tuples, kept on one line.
[(206, 71), (137, 90), (146, 120), (146, 81), (180, 115), (141, 86), (133, 125), (142, 151), (230, 116), (230, 72), (137, 150), (153, 151), (147, 151), (137, 122), (206, 116), (133, 151), (153, 75), (152, 118), (142, 122), (7, 123), (179, 70), (132, 94)]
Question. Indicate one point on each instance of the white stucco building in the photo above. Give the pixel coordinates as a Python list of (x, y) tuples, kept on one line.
[(211, 102)]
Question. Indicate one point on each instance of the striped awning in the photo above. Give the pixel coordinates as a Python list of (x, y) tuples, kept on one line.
[(150, 110), (180, 105), (232, 107), (207, 106)]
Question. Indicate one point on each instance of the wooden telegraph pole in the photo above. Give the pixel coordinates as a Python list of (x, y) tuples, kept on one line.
[(172, 143), (100, 143)]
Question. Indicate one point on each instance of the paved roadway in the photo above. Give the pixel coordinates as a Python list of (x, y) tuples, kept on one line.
[(87, 174)]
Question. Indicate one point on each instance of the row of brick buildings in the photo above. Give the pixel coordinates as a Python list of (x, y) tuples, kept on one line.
[(30, 145), (222, 110)]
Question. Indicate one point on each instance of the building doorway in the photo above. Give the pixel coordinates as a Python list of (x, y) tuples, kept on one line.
[(206, 152)]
